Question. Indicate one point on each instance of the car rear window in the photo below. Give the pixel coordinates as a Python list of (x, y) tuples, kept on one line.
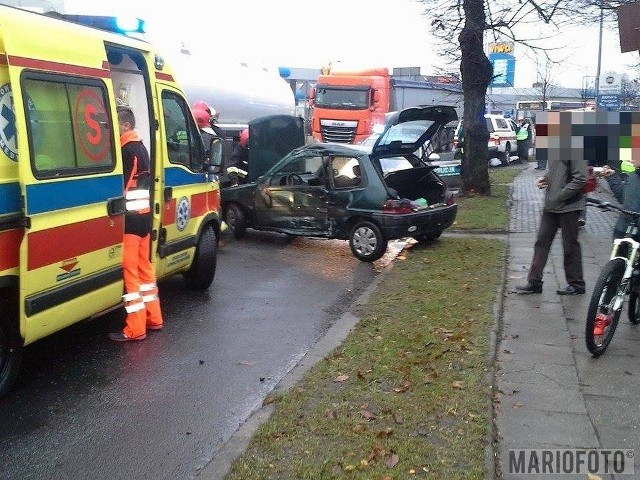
[(500, 124), (406, 132)]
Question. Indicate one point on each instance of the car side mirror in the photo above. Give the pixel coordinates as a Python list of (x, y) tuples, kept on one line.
[(434, 157)]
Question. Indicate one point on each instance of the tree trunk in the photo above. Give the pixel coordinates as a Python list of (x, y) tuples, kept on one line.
[(476, 72)]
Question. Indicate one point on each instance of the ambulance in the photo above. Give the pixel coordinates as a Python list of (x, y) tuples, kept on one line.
[(61, 178)]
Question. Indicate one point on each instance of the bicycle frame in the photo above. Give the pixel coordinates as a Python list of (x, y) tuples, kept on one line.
[(630, 262)]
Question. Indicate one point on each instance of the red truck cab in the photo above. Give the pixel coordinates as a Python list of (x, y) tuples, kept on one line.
[(347, 106)]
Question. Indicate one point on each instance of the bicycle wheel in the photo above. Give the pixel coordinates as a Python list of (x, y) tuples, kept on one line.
[(602, 319)]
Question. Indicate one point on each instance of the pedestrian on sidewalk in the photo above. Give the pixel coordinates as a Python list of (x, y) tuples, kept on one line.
[(630, 195), (563, 201), (523, 135)]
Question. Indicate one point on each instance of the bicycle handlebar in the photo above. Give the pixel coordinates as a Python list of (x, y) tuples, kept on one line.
[(607, 206)]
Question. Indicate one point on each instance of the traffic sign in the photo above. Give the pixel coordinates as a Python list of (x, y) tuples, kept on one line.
[(608, 102)]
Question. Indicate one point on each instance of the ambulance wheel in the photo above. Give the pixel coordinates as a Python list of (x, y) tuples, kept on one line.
[(203, 269), (236, 220), (10, 350)]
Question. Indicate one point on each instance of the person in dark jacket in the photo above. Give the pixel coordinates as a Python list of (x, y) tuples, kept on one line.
[(630, 196), (563, 201), (141, 301), (238, 167)]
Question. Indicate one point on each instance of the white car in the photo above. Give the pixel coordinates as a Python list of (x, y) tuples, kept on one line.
[(502, 137)]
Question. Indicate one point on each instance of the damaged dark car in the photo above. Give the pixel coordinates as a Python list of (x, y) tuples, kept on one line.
[(366, 195)]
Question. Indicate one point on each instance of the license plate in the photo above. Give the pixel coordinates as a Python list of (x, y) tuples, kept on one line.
[(448, 170)]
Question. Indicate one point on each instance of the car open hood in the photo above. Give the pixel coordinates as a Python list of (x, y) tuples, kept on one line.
[(409, 129), (270, 139)]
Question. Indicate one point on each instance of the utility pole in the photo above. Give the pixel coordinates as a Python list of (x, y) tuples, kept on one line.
[(597, 86)]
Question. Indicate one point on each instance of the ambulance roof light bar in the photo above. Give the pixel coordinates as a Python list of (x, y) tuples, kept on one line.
[(123, 25)]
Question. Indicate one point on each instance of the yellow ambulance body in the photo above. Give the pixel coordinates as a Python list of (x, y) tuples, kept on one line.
[(61, 182)]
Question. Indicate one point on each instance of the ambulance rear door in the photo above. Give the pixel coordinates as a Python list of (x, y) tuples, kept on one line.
[(71, 183)]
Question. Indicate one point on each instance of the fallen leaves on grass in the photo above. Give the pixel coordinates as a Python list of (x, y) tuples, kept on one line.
[(392, 461), (368, 415), (341, 378), (403, 388)]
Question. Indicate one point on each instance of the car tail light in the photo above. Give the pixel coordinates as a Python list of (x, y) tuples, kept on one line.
[(451, 197), (397, 207), (496, 139)]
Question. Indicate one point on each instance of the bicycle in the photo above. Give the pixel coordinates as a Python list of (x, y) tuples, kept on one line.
[(619, 276)]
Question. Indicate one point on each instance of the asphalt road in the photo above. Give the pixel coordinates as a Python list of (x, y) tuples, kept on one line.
[(85, 407)]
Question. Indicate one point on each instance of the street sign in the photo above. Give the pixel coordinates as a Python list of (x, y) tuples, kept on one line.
[(610, 83), (608, 102)]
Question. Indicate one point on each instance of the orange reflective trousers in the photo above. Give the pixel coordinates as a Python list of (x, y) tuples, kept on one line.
[(141, 301)]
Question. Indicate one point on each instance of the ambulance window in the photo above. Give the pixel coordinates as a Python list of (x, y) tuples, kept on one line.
[(68, 127), (184, 144)]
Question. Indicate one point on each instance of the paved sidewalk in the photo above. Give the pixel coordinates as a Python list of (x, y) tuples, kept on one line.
[(552, 393)]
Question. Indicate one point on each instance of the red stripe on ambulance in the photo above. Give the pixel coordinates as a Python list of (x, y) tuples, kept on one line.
[(169, 213), (10, 248), (57, 67), (61, 243)]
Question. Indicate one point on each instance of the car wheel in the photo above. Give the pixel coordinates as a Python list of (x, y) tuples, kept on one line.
[(203, 268), (236, 220), (10, 349), (506, 158), (428, 237), (366, 241)]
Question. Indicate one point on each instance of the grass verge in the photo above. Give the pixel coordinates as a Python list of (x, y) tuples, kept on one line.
[(488, 214), (406, 395)]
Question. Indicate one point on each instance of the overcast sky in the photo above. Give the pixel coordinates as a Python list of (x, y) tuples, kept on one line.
[(348, 33)]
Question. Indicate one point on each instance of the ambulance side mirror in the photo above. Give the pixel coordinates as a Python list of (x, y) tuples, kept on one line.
[(215, 153)]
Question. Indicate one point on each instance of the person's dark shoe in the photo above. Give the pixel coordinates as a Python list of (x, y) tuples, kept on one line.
[(122, 337), (530, 287), (571, 290)]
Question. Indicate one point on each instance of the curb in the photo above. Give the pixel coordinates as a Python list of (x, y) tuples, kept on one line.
[(491, 449)]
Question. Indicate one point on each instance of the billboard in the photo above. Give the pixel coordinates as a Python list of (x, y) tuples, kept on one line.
[(503, 63)]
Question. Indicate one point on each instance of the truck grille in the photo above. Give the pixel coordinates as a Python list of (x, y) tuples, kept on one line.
[(338, 134)]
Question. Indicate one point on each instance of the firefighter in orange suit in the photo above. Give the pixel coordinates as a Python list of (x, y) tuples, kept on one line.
[(141, 300)]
